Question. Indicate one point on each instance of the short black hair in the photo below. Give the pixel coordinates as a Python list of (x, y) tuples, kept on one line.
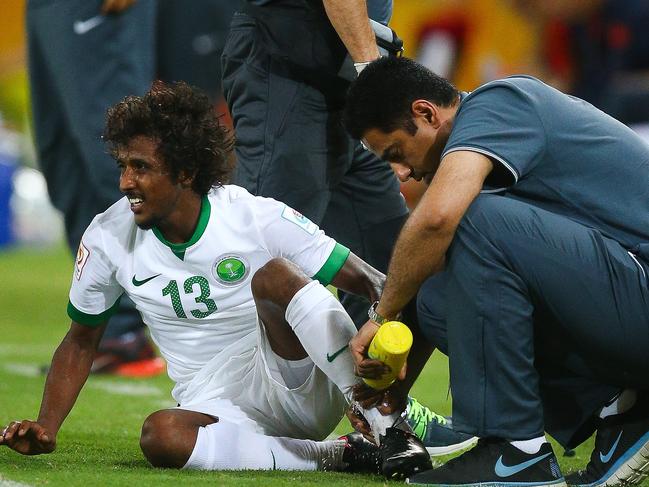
[(381, 96), (181, 119)]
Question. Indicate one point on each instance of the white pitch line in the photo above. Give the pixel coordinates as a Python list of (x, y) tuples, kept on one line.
[(112, 387), (10, 483), (126, 389), (24, 370)]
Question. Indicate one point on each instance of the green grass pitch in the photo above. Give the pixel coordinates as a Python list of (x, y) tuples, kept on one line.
[(98, 444)]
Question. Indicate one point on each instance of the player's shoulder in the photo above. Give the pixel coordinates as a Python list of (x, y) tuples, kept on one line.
[(112, 228), (228, 193), (236, 207), (117, 216), (239, 199)]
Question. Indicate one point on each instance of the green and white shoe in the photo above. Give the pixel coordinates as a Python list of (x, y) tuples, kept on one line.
[(435, 431)]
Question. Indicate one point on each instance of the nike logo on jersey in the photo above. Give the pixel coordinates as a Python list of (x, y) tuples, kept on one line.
[(82, 27), (503, 470), (138, 283), (332, 357), (606, 458)]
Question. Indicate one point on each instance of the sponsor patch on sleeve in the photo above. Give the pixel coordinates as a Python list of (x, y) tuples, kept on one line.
[(299, 219), (82, 257)]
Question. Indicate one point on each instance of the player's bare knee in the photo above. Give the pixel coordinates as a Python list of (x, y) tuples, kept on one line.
[(265, 286), (165, 441)]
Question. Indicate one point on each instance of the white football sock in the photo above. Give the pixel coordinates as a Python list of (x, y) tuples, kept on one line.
[(226, 446), (530, 446), (324, 329), (621, 404)]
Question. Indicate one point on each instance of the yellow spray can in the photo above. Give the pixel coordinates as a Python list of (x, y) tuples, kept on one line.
[(390, 345)]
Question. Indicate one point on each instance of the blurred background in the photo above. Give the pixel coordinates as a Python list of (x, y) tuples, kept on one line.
[(595, 49)]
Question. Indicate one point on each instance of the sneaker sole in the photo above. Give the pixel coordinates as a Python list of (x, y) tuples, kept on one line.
[(436, 451), (558, 483), (630, 469)]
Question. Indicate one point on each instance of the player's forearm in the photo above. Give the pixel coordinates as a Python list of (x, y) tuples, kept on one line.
[(358, 277), (349, 18), (68, 373)]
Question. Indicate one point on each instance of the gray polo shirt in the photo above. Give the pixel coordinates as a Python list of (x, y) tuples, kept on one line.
[(559, 153)]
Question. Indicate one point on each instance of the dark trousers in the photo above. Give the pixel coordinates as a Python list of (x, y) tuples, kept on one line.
[(543, 319), (190, 39), (291, 146), (74, 77)]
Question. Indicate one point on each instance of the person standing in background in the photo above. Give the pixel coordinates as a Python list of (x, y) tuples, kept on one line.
[(280, 80), (84, 56), (190, 39)]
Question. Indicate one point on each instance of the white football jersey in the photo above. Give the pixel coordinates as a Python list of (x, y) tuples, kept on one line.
[(195, 297)]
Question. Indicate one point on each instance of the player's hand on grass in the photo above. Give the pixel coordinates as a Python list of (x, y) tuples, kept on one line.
[(28, 437), (115, 6)]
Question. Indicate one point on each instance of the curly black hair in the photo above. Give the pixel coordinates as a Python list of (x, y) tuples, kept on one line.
[(191, 139)]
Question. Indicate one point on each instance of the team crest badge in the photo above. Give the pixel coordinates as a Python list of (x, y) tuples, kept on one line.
[(230, 270)]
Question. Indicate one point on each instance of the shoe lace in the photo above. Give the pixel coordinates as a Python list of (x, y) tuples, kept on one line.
[(419, 416)]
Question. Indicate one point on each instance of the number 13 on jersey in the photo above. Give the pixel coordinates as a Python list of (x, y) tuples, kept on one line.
[(173, 291)]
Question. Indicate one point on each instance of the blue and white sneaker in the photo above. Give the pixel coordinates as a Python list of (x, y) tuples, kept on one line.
[(495, 463), (621, 454), (435, 431)]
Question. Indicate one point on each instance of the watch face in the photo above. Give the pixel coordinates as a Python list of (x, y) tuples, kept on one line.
[(373, 315)]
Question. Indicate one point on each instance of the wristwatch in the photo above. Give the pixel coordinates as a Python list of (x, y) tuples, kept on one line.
[(374, 316)]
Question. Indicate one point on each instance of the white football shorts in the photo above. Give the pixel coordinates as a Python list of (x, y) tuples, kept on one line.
[(250, 389)]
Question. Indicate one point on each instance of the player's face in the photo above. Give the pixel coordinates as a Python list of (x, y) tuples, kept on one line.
[(156, 199)]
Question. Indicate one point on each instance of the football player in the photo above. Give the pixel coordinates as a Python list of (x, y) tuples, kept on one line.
[(232, 288)]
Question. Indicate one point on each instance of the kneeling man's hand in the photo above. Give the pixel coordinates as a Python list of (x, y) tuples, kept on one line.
[(360, 343)]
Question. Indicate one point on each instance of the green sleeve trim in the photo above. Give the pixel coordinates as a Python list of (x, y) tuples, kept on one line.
[(91, 320), (334, 263)]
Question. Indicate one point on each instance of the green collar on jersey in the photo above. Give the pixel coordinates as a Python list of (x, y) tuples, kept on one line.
[(203, 219)]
